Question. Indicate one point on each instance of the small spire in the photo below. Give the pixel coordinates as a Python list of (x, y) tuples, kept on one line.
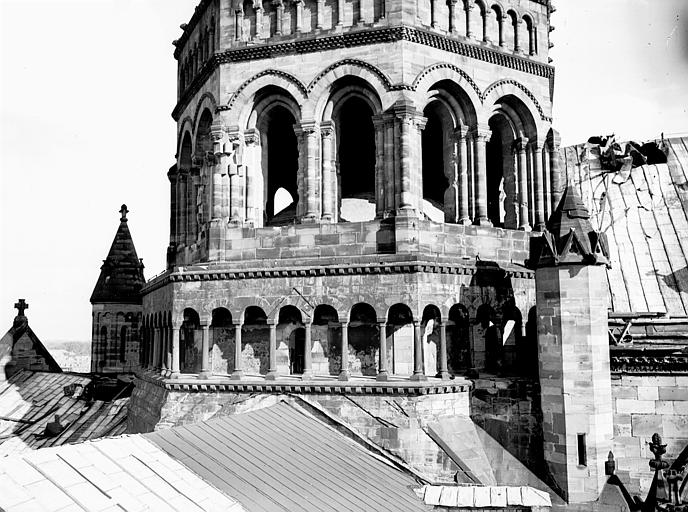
[(124, 212)]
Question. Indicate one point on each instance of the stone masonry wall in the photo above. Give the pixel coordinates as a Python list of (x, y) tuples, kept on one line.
[(643, 405)]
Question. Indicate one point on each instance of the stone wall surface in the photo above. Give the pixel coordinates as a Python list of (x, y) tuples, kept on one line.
[(643, 405)]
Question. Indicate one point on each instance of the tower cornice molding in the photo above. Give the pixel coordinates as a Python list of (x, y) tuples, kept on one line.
[(452, 44)]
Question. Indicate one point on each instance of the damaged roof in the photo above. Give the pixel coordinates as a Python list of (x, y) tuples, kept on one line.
[(644, 212), (30, 400)]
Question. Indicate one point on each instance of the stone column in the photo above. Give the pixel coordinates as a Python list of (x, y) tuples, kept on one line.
[(486, 24), (383, 372), (310, 132), (517, 44), (181, 208), (205, 349), (168, 351), (172, 176), (163, 350), (344, 373), (299, 15), (363, 7), (239, 23), (328, 177), (554, 142), (500, 25), (469, 9), (175, 351), (272, 370), (156, 349), (238, 372), (452, 16), (520, 146), (252, 193), (442, 371), (340, 14), (191, 207), (279, 14), (433, 14), (481, 136), (418, 368), (464, 217), (535, 148), (307, 356), (409, 121), (390, 153), (531, 40), (320, 14), (379, 126), (258, 7)]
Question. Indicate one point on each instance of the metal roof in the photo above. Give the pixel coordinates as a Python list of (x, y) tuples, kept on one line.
[(280, 458), (646, 216), (30, 400), (125, 473)]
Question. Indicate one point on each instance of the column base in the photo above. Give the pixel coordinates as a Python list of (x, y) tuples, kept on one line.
[(309, 219), (465, 221), (174, 375), (271, 375), (525, 227), (418, 377), (382, 376), (540, 227), (306, 375), (406, 211), (205, 374), (443, 375), (344, 375), (483, 222), (237, 375)]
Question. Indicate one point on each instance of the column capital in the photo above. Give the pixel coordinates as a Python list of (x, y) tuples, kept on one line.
[(252, 137), (461, 131), (327, 129), (520, 144), (481, 133), (277, 3), (536, 144), (381, 320)]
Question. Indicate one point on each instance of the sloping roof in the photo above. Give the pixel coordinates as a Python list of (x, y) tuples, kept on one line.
[(30, 400), (279, 458), (121, 275), (645, 214), (33, 356), (125, 473)]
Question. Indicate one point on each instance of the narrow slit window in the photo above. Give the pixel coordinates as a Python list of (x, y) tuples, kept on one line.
[(582, 449)]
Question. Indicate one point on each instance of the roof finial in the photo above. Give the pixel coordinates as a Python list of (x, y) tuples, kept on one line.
[(21, 305), (124, 212)]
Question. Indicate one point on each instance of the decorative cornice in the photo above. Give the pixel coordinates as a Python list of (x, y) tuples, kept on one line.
[(360, 38), (334, 270), (328, 388), (650, 364), (351, 62), (289, 78), (446, 65)]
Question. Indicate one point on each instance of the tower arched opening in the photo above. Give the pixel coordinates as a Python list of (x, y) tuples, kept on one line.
[(458, 340), (364, 340), (291, 339), (326, 336), (431, 325), (190, 343), (280, 163), (222, 340), (400, 326), (255, 333), (436, 142), (356, 160)]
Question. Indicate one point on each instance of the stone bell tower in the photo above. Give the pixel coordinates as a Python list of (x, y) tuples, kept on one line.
[(570, 259)]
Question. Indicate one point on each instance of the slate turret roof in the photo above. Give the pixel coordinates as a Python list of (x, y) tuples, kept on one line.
[(121, 276)]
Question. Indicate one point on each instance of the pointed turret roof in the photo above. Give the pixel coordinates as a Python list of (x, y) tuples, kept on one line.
[(121, 276), (569, 236)]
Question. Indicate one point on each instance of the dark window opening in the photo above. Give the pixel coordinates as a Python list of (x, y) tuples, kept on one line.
[(434, 180), (283, 163), (582, 455), (356, 151)]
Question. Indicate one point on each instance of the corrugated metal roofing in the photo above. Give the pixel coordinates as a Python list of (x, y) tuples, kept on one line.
[(646, 215), (279, 458), (126, 473), (30, 400)]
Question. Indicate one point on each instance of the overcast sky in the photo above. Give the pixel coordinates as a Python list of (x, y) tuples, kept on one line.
[(86, 91)]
